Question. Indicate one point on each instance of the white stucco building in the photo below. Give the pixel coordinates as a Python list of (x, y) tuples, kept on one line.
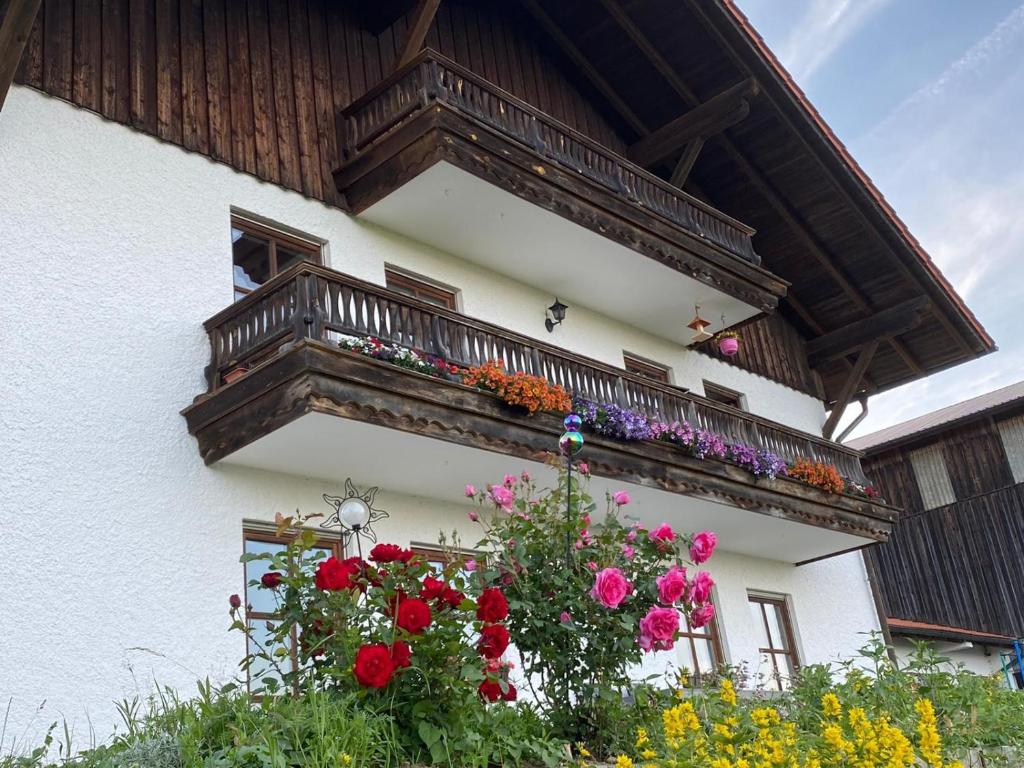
[(122, 543)]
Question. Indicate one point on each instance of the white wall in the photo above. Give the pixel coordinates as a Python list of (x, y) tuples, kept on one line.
[(120, 546), (980, 659)]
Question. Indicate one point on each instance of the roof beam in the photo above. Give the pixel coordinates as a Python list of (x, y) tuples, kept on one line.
[(672, 77), (416, 34), (882, 325), (713, 116), (685, 162), (14, 32), (850, 388), (581, 61)]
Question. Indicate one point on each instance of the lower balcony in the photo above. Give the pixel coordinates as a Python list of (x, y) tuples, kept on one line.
[(303, 405)]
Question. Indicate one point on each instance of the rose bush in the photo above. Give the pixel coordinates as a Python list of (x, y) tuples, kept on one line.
[(585, 598), (392, 630)]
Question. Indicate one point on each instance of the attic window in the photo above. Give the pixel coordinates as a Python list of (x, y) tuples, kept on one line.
[(932, 477)]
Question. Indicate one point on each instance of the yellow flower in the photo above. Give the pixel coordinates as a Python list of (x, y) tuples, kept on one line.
[(641, 737), (765, 717), (623, 762), (928, 742), (728, 693), (830, 706), (648, 754), (345, 759), (679, 720), (582, 750)]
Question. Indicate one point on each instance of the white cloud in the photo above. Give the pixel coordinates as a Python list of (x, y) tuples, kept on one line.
[(821, 31)]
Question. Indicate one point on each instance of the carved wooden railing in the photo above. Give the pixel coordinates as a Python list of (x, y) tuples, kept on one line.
[(432, 78), (313, 302)]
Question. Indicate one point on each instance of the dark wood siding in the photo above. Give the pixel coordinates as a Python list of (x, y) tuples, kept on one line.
[(773, 348), (960, 565), (257, 83)]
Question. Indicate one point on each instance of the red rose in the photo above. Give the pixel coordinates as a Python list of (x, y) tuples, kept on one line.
[(271, 579), (389, 553), (373, 667), (235, 601), (493, 641), (453, 597), (511, 694), (401, 654), (492, 605), (334, 574), (413, 615), (490, 690), (432, 588)]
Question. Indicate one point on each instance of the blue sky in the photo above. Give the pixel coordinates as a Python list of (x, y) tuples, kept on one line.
[(928, 95)]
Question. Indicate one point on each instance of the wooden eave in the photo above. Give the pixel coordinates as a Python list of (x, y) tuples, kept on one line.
[(312, 377), (822, 224)]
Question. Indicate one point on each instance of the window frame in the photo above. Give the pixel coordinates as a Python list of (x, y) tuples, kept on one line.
[(782, 603), (418, 286), (274, 236), (713, 637), (713, 392), (260, 534), (649, 369)]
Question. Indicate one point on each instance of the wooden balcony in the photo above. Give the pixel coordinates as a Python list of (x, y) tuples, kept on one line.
[(287, 331), (442, 155)]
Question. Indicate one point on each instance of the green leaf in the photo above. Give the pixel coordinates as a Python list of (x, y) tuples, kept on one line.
[(429, 734)]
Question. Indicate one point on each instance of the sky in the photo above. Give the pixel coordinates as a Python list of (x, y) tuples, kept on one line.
[(928, 95)]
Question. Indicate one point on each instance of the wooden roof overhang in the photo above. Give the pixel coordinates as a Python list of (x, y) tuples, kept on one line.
[(821, 224)]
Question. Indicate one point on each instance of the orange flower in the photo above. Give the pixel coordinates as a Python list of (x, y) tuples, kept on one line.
[(534, 393), (824, 476)]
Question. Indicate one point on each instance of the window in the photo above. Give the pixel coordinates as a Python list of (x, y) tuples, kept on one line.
[(932, 477), (420, 288), (774, 632), (648, 370), (261, 605), (725, 396), (259, 252), (1012, 432), (699, 649)]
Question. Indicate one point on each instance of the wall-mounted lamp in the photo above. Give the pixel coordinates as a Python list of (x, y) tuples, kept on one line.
[(556, 314)]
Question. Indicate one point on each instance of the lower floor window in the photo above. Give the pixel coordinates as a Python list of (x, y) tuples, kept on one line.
[(262, 609), (699, 650), (776, 647)]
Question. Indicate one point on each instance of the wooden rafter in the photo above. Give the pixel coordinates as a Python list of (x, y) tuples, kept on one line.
[(690, 98), (685, 163), (707, 119), (422, 18), (853, 382), (882, 325), (581, 61), (14, 32)]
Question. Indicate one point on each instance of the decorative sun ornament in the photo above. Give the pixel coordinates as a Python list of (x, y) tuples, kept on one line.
[(354, 514), (699, 326)]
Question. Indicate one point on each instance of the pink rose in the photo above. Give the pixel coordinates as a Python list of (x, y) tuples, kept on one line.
[(474, 516), (584, 468), (592, 566), (502, 497), (700, 590), (621, 498), (671, 586), (578, 544), (525, 476), (610, 587), (658, 629), (703, 546), (702, 616), (470, 491), (628, 551), (470, 565), (586, 519), (509, 481), (631, 536), (566, 617), (663, 535)]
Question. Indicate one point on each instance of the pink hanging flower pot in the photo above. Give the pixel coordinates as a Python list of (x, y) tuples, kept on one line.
[(728, 343)]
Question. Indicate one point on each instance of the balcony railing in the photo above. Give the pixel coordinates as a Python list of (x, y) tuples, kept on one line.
[(433, 79), (312, 302)]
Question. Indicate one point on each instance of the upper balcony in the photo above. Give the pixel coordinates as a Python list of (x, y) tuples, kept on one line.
[(310, 408), (440, 154)]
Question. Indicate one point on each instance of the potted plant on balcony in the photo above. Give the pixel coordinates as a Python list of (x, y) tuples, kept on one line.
[(728, 343)]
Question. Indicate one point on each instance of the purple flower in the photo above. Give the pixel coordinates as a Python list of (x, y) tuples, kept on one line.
[(708, 444)]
